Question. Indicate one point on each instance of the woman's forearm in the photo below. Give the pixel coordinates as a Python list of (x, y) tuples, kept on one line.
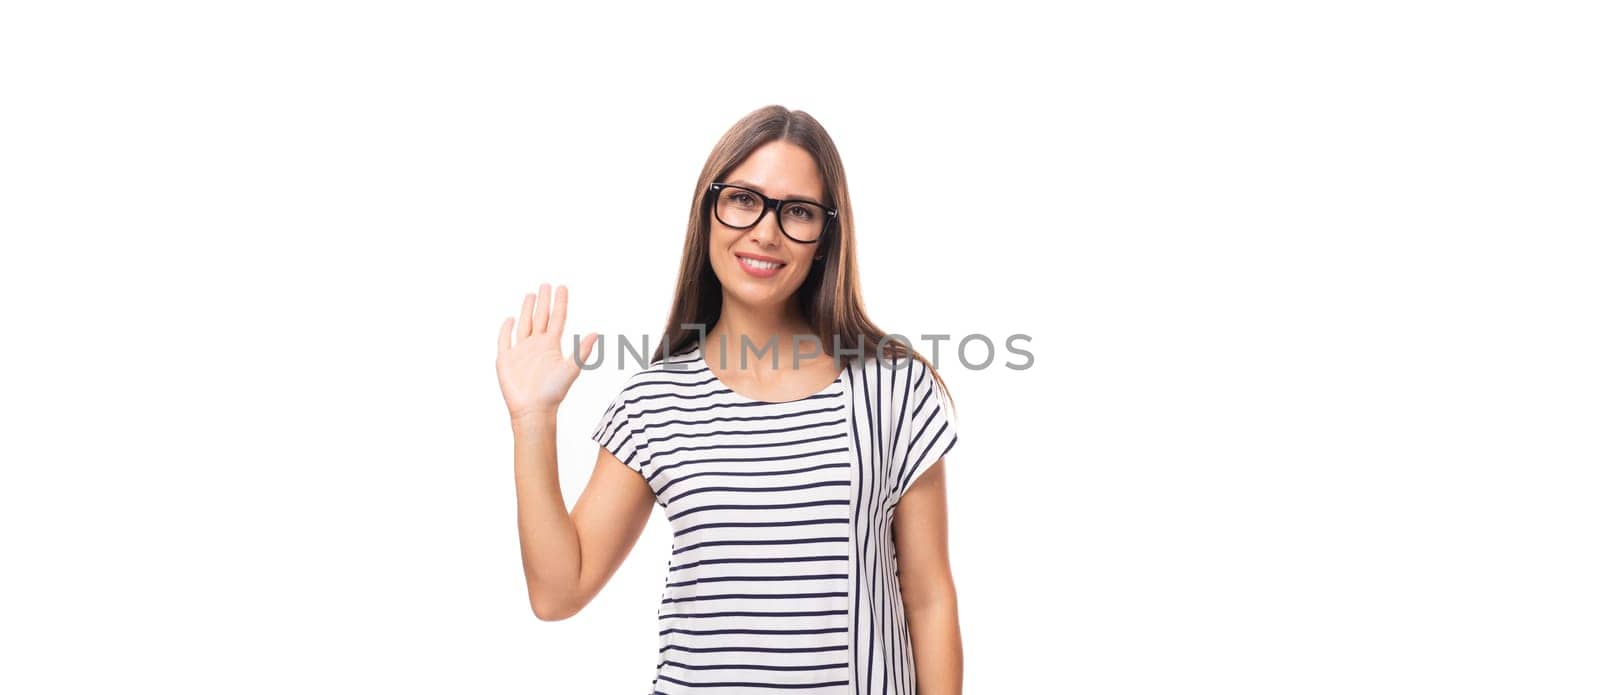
[(550, 551), (936, 647)]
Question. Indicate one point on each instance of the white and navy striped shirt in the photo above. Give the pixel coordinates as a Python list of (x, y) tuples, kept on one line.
[(783, 572)]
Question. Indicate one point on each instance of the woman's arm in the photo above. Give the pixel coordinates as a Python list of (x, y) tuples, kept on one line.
[(566, 557), (926, 584)]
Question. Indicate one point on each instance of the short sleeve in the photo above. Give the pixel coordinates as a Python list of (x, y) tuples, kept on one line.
[(619, 432), (931, 424)]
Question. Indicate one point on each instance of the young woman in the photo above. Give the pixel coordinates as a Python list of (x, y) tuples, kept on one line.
[(803, 480)]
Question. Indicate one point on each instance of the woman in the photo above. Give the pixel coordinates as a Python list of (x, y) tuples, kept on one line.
[(803, 481)]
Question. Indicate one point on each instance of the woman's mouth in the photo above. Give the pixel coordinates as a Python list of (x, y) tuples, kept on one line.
[(759, 267)]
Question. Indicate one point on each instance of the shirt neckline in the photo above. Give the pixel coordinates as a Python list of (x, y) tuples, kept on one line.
[(698, 357)]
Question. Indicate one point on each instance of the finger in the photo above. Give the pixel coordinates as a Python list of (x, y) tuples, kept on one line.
[(558, 312), (505, 334), (525, 327), (541, 309), (586, 347)]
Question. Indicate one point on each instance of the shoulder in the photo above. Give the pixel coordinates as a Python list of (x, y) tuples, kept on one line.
[(671, 374), (904, 367)]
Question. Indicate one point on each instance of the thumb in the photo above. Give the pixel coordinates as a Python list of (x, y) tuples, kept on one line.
[(587, 346)]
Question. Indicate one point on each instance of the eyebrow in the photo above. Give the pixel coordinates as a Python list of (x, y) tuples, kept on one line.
[(747, 184)]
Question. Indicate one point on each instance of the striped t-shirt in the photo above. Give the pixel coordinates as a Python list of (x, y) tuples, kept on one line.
[(783, 572)]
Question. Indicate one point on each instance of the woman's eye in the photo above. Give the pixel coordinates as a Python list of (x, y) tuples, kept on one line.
[(800, 212), (743, 198)]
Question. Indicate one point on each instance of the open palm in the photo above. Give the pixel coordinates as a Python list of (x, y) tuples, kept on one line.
[(534, 375)]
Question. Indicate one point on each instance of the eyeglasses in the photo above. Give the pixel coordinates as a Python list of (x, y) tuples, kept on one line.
[(742, 208)]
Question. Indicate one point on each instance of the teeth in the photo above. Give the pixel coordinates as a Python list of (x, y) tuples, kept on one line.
[(759, 265)]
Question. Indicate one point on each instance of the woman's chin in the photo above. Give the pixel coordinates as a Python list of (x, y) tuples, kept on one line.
[(763, 294)]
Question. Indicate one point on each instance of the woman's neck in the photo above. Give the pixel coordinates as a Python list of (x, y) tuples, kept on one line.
[(767, 329)]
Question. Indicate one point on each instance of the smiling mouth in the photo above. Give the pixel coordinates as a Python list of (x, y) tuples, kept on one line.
[(760, 265)]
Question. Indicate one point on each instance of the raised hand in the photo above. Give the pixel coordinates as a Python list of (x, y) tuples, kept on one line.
[(534, 375)]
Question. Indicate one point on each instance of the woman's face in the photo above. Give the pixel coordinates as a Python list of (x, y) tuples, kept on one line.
[(780, 170)]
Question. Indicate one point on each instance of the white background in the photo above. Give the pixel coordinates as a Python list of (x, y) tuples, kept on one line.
[(1312, 292)]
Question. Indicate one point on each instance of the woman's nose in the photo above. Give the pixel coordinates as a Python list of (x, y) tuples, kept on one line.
[(766, 231)]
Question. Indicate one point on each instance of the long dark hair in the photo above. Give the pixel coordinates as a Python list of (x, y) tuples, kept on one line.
[(830, 296)]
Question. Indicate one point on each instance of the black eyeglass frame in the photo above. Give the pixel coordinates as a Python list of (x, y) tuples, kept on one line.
[(714, 191)]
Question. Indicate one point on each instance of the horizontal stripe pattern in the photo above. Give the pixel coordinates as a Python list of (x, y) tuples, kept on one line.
[(781, 575)]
